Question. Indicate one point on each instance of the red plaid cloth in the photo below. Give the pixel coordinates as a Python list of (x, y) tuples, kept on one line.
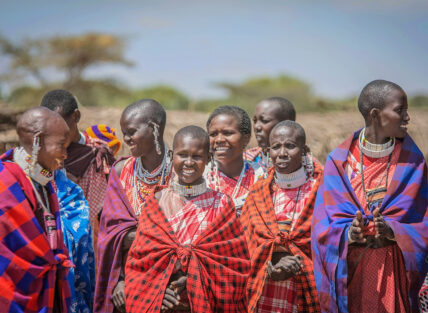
[(30, 270), (226, 185), (216, 263), (262, 232), (281, 296), (192, 217), (252, 154)]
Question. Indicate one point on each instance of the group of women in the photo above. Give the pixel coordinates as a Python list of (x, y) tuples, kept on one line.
[(209, 225), (212, 227)]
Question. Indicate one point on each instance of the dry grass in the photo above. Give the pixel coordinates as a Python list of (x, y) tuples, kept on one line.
[(324, 130)]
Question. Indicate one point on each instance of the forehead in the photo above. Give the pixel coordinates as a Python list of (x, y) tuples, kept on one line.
[(224, 120), (189, 142), (395, 97), (268, 108), (132, 119), (56, 127), (284, 133)]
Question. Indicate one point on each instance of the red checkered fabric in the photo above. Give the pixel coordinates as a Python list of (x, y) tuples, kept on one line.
[(278, 297), (252, 154), (281, 296), (193, 216), (31, 273), (262, 233), (216, 263)]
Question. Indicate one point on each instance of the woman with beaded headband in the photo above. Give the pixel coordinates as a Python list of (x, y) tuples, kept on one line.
[(142, 124), (277, 217), (370, 232), (229, 128), (267, 114), (191, 240), (34, 260)]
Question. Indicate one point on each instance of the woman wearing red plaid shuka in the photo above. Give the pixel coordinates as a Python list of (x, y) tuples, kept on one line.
[(229, 128), (190, 253), (277, 217)]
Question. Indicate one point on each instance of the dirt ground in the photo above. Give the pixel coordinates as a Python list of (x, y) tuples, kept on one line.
[(324, 131)]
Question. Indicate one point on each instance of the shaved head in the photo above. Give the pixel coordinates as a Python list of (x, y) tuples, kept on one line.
[(300, 132), (52, 131), (149, 109), (38, 120), (374, 95), (194, 132), (283, 109)]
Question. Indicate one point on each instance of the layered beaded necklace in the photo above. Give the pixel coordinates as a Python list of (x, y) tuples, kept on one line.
[(189, 191), (143, 177), (374, 151)]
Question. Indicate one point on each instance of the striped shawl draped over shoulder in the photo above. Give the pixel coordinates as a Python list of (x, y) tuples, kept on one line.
[(404, 208), (262, 233)]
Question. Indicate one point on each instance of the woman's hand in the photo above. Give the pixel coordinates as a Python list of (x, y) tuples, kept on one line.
[(171, 299), (128, 240), (356, 229), (287, 267), (382, 228), (118, 297)]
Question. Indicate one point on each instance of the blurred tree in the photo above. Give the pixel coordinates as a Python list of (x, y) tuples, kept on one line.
[(169, 97), (251, 91), (68, 57), (419, 101)]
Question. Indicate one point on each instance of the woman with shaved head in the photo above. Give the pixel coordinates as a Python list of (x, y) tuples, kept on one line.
[(34, 260), (142, 124)]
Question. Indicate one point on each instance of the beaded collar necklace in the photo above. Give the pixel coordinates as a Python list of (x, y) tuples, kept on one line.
[(38, 173), (292, 180), (375, 150), (189, 191)]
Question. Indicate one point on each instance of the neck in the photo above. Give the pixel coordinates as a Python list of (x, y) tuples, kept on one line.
[(373, 136), (75, 137), (153, 160), (233, 168)]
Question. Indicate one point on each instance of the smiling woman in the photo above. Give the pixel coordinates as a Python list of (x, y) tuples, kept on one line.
[(131, 181), (229, 129)]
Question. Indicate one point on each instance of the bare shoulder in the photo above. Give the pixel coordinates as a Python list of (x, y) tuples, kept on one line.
[(118, 166)]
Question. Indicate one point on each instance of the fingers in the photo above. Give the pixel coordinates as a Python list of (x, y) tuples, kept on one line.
[(118, 300), (360, 216), (289, 264), (376, 213), (170, 299)]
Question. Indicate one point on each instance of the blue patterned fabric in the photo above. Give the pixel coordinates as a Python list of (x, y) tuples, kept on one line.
[(77, 232)]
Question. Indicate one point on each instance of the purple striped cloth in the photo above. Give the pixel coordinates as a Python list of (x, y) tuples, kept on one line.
[(404, 208), (117, 219)]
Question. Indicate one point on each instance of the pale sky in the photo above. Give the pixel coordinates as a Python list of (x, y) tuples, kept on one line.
[(337, 46)]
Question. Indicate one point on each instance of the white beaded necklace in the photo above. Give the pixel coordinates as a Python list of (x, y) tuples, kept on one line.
[(375, 150), (292, 180), (189, 191)]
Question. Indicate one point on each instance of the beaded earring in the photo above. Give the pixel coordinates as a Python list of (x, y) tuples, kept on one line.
[(307, 162), (156, 137), (34, 152)]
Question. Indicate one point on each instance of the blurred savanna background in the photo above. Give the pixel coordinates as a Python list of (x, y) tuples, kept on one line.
[(193, 56)]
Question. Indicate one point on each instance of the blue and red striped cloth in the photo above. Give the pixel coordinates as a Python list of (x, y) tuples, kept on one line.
[(29, 269), (404, 208)]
